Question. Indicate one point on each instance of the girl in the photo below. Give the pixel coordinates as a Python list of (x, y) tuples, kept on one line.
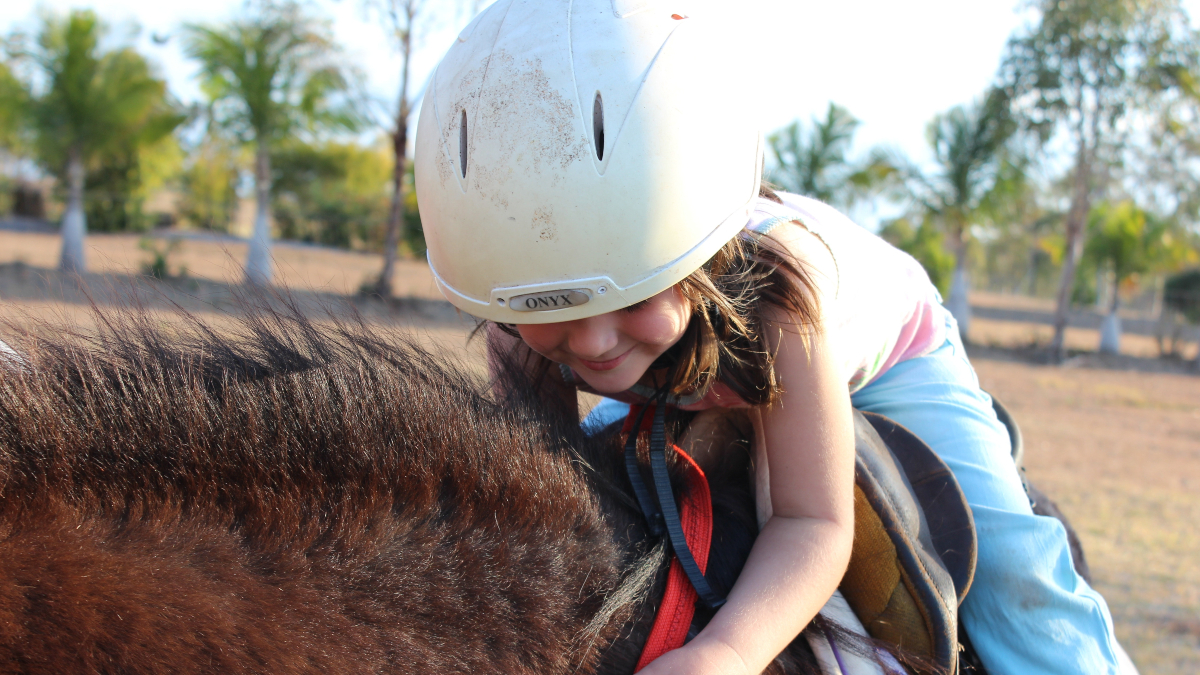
[(588, 176)]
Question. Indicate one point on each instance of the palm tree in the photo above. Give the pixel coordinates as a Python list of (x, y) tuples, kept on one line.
[(966, 144), (1116, 239), (94, 104), (816, 164), (1127, 241), (268, 76)]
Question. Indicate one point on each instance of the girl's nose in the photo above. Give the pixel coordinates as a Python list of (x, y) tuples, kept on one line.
[(592, 338)]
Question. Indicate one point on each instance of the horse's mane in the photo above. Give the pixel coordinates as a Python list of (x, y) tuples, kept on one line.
[(289, 496)]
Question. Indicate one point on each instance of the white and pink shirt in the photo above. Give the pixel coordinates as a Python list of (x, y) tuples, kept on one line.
[(878, 304)]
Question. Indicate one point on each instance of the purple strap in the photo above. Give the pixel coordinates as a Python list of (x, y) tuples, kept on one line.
[(837, 654)]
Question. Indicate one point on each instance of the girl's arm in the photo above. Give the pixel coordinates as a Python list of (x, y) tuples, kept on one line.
[(802, 551)]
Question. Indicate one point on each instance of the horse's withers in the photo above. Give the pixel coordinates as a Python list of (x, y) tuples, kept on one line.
[(292, 499)]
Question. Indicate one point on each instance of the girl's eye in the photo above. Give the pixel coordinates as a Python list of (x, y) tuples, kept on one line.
[(636, 306)]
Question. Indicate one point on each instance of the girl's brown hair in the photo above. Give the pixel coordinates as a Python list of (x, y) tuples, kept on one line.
[(725, 341)]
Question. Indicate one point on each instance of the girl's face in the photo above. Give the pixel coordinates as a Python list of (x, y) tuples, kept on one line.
[(612, 351)]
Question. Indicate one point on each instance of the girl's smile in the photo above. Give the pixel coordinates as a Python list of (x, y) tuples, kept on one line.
[(605, 365), (612, 351)]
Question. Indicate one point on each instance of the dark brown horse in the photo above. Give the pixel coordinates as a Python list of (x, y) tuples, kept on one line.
[(293, 498)]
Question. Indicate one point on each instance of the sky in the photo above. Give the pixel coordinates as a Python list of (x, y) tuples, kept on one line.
[(894, 65)]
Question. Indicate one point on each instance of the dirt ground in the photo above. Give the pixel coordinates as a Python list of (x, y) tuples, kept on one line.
[(1114, 440)]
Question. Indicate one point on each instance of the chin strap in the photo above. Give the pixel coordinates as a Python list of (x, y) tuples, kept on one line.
[(688, 528)]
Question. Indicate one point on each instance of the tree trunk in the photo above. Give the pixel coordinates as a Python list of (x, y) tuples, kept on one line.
[(1110, 332), (1075, 221), (391, 241), (1101, 286), (258, 262), (1160, 285), (959, 303), (74, 223)]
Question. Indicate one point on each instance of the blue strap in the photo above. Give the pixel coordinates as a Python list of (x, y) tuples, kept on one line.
[(663, 510)]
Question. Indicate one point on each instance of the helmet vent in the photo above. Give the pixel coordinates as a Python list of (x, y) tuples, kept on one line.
[(598, 126), (462, 144)]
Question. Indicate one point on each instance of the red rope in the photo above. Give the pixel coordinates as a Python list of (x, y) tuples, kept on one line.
[(678, 605)]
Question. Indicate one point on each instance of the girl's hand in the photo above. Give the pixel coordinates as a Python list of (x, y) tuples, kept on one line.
[(698, 657)]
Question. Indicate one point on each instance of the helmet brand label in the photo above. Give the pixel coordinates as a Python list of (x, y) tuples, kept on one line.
[(540, 302)]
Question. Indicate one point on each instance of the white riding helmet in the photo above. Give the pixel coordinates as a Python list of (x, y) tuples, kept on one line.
[(574, 157)]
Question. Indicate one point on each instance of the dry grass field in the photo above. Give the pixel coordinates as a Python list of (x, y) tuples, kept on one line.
[(319, 279), (1116, 441)]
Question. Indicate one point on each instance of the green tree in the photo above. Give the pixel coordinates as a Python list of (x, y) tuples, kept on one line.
[(208, 185), (118, 184), (160, 168), (967, 144), (1127, 241), (14, 102), (331, 193), (814, 162), (14, 125), (1182, 294), (1017, 222), (95, 108), (1075, 72), (1117, 240), (267, 76)]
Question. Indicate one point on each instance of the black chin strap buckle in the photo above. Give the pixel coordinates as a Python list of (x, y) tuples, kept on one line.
[(659, 508)]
